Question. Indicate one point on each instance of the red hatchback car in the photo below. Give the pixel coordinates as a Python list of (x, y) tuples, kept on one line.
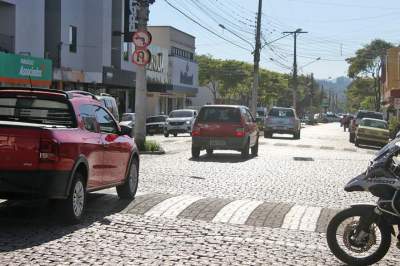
[(225, 127), (60, 145)]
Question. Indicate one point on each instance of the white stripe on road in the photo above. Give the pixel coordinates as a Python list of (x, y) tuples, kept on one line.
[(141, 193), (310, 219), (293, 217), (243, 213), (302, 218), (166, 207), (226, 213), (175, 210)]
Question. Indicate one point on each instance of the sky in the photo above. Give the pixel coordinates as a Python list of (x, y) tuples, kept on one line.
[(336, 29)]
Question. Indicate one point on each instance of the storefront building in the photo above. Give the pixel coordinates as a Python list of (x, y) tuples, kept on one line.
[(182, 70), (391, 80)]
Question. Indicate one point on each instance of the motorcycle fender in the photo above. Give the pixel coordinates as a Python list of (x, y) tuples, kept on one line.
[(369, 207)]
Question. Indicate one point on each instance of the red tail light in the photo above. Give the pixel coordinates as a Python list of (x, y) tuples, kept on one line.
[(196, 131), (48, 150), (240, 132)]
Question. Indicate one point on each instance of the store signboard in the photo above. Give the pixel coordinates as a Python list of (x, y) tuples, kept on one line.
[(19, 69)]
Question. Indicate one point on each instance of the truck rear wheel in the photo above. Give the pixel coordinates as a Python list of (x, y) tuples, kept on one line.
[(74, 206)]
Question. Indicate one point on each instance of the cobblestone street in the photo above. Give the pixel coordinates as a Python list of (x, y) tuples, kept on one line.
[(220, 209)]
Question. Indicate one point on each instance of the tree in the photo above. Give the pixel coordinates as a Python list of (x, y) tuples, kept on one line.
[(361, 95), (231, 80), (209, 73), (368, 62)]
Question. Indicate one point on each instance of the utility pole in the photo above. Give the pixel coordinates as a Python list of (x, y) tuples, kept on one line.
[(295, 83), (312, 98), (141, 83), (254, 94)]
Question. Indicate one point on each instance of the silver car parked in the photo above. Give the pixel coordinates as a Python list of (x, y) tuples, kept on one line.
[(180, 121), (282, 121)]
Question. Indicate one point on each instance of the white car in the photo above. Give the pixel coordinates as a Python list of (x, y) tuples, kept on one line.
[(180, 121), (128, 119)]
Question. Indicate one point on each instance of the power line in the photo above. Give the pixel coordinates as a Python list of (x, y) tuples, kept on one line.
[(209, 30), (229, 11), (213, 15), (341, 4)]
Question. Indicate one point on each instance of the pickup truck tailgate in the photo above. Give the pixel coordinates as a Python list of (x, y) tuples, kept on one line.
[(19, 148)]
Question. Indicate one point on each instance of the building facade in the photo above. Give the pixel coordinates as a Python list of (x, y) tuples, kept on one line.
[(391, 79), (22, 50), (83, 45), (182, 74)]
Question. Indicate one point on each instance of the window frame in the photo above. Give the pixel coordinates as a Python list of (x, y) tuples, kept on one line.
[(117, 129), (73, 38), (94, 116)]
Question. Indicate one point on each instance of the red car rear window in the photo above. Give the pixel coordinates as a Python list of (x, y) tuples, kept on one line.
[(219, 114), (36, 110)]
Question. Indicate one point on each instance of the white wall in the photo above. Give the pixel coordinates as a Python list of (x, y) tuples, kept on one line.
[(30, 27), (73, 14), (152, 105), (204, 96), (93, 21)]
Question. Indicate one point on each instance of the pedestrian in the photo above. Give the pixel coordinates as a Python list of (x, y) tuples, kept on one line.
[(346, 122)]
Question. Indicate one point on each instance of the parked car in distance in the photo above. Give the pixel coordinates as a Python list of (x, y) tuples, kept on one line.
[(372, 131), (128, 119), (156, 124), (179, 121), (331, 117), (225, 127), (356, 121), (60, 145), (282, 121), (261, 113), (110, 103)]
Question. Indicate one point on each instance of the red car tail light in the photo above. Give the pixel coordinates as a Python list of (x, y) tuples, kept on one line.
[(196, 131), (48, 150), (240, 132)]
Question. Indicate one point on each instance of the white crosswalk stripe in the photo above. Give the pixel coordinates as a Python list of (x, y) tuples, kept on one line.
[(242, 214), (226, 213), (310, 219), (166, 207), (176, 209), (293, 217)]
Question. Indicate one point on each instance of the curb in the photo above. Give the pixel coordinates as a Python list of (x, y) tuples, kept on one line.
[(160, 152)]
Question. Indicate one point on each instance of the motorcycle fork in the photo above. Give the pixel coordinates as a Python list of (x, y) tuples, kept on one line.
[(364, 224)]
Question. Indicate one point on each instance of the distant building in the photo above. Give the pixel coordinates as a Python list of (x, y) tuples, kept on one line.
[(391, 79), (182, 73)]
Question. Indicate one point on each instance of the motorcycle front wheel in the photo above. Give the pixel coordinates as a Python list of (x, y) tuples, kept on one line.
[(354, 249)]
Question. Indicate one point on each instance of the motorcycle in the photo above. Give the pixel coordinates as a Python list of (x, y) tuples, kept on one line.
[(361, 234)]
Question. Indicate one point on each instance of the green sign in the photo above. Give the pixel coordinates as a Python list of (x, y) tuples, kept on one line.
[(325, 103), (19, 69)]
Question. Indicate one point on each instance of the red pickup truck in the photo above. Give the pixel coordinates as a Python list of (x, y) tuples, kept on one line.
[(61, 145)]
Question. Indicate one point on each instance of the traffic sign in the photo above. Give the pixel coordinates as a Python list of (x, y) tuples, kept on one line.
[(141, 57), (142, 38)]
